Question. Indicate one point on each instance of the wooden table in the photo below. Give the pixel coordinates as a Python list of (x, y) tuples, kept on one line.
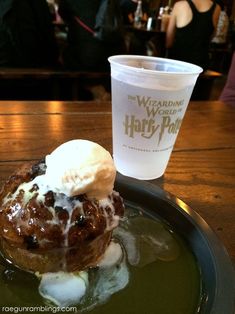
[(201, 170)]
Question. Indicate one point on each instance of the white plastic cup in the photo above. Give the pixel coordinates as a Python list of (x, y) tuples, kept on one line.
[(149, 98)]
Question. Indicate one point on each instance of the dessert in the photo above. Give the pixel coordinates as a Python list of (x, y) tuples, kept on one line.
[(62, 222), (59, 214)]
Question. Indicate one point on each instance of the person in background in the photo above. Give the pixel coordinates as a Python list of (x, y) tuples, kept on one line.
[(83, 51), (26, 34), (228, 92), (190, 29)]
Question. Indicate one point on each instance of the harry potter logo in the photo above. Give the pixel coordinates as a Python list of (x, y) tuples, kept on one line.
[(148, 126)]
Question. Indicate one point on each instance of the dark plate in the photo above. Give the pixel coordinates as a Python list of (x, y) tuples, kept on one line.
[(218, 276)]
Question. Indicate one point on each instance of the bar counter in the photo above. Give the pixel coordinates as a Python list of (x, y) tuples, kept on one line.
[(201, 171)]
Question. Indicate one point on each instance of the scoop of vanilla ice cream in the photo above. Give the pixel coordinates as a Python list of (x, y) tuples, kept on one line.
[(80, 166)]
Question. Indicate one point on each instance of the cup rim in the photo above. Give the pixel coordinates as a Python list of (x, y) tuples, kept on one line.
[(193, 69)]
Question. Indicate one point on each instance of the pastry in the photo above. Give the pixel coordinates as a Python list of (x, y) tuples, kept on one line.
[(58, 214)]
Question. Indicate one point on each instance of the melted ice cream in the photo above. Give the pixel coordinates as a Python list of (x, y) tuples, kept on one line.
[(65, 289)]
